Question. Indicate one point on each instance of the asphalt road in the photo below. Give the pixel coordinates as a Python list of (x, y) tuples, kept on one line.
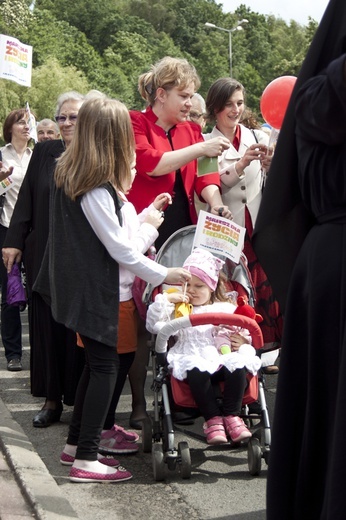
[(220, 486)]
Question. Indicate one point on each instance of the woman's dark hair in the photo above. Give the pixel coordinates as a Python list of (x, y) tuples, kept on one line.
[(12, 118), (218, 95)]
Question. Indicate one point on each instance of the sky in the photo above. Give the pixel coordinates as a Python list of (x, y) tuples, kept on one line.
[(297, 10)]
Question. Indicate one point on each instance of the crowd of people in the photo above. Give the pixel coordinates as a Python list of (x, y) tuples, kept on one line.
[(112, 202), (134, 192)]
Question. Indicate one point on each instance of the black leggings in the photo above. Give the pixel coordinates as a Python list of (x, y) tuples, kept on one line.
[(201, 385), (125, 362), (93, 398)]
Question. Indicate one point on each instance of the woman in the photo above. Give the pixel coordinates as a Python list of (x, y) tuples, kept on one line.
[(167, 149), (84, 295), (241, 169), (301, 241), (55, 360), (168, 146), (197, 112), (15, 159)]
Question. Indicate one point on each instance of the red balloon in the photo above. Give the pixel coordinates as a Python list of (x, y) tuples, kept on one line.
[(275, 98)]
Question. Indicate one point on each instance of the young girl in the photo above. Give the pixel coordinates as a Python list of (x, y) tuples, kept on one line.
[(195, 356), (80, 274), (142, 231)]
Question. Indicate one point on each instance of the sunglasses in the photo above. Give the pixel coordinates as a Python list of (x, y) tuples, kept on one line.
[(62, 119)]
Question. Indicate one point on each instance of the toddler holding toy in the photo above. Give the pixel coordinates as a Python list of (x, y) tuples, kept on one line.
[(195, 356)]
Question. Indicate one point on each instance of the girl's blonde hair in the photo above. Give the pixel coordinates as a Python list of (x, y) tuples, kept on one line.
[(167, 73), (101, 151), (219, 295)]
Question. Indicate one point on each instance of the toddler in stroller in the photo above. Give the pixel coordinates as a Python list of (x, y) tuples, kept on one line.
[(195, 356)]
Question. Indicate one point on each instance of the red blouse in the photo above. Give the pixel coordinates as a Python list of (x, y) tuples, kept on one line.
[(151, 143)]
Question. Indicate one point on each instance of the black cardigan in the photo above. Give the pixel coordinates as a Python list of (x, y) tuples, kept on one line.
[(78, 278)]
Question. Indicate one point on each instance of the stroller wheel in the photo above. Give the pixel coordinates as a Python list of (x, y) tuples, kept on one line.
[(254, 456), (266, 456), (185, 460), (158, 462), (147, 435)]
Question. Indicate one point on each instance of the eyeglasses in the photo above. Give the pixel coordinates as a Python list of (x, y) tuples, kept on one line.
[(62, 119), (195, 115)]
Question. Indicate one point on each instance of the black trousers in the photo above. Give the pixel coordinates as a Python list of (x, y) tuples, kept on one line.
[(93, 397), (11, 325), (201, 385), (124, 364), (56, 362)]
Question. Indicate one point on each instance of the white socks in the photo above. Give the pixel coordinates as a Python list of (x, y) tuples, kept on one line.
[(88, 465), (94, 466)]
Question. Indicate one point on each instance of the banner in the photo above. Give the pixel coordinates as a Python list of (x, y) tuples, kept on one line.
[(219, 235), (32, 123), (15, 60)]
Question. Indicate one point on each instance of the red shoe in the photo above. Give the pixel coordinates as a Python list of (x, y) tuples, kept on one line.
[(236, 429), (81, 475), (215, 431), (68, 460)]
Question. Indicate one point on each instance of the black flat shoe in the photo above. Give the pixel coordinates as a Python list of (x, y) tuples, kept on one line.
[(14, 365), (136, 424), (46, 417)]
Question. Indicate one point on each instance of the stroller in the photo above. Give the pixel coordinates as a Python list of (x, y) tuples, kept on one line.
[(158, 437)]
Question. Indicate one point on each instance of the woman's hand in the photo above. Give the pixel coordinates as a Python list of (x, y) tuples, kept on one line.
[(255, 152), (222, 211), (4, 173), (155, 218), (177, 276), (10, 256), (216, 146), (162, 200), (211, 194), (267, 160)]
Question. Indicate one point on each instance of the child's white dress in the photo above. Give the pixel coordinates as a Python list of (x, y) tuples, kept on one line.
[(195, 346)]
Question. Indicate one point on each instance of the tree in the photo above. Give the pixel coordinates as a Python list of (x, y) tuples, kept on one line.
[(106, 45), (49, 81)]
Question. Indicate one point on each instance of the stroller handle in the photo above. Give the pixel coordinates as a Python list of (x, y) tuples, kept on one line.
[(171, 327)]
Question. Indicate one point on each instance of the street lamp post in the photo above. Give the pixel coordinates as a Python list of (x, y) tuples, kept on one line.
[(237, 27)]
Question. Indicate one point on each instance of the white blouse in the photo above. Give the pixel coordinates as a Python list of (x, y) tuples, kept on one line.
[(20, 165)]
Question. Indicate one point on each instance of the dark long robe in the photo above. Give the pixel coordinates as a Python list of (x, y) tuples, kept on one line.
[(300, 238), (55, 360)]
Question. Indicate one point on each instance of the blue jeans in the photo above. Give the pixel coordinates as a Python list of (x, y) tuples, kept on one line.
[(11, 325)]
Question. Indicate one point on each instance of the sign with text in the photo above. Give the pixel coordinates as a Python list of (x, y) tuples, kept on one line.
[(219, 235), (5, 185), (15, 60)]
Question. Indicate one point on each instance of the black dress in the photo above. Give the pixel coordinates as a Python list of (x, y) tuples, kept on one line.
[(55, 360), (308, 453)]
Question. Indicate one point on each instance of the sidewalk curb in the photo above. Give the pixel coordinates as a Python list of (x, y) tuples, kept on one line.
[(37, 485)]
